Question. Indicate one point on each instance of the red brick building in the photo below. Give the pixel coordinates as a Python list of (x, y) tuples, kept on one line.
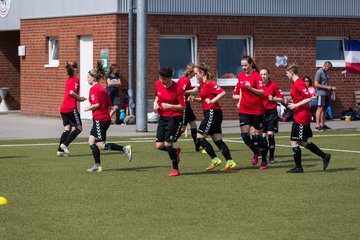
[(36, 85)]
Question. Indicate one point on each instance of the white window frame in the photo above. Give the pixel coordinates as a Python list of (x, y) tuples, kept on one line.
[(51, 48), (193, 49), (249, 45), (335, 63)]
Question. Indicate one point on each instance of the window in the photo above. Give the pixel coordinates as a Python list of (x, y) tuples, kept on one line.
[(330, 49), (177, 52), (53, 44), (230, 50)]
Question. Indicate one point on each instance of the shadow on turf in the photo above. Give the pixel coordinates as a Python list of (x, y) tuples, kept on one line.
[(5, 157), (335, 169), (137, 169)]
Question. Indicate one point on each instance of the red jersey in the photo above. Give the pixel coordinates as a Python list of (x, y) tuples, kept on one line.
[(185, 84), (172, 95), (271, 88), (250, 103), (69, 103), (299, 92), (210, 90), (98, 94)]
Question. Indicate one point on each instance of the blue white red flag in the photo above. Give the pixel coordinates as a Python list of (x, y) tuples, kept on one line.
[(352, 56)]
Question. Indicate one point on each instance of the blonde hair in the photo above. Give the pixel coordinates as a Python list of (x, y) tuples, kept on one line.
[(293, 68), (99, 72), (189, 69)]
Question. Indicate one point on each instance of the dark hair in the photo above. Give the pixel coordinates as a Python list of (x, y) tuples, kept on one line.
[(70, 68), (310, 80), (166, 72), (205, 69), (112, 68), (250, 61), (99, 72), (328, 63), (265, 68)]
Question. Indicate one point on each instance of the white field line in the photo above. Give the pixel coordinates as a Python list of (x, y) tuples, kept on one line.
[(152, 140)]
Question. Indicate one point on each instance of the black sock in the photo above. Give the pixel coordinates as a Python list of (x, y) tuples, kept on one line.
[(224, 149), (193, 135), (207, 147), (96, 153), (297, 156), (271, 145), (72, 136), (63, 138), (113, 146), (172, 154), (163, 149), (249, 142), (263, 148), (315, 149)]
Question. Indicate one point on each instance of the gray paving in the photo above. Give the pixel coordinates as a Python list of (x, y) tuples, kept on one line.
[(17, 126)]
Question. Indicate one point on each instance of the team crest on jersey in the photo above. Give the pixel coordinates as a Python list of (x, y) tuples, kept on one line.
[(4, 7)]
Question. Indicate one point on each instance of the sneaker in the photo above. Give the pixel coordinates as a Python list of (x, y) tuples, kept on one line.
[(65, 148), (62, 154), (325, 127), (326, 161), (296, 170), (214, 163), (319, 129), (263, 166), (255, 159), (230, 164), (174, 173), (178, 150), (271, 161), (128, 152), (95, 168)]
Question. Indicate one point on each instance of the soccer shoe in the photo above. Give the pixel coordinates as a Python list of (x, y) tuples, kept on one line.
[(174, 173), (325, 127), (319, 129), (65, 148), (295, 170), (263, 166), (178, 150), (214, 163), (271, 161), (326, 161), (128, 152), (230, 164), (62, 154), (255, 159), (95, 168)]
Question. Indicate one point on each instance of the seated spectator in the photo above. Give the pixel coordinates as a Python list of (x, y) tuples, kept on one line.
[(312, 91)]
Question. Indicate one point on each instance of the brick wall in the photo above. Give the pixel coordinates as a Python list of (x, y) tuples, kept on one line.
[(10, 67), (293, 37)]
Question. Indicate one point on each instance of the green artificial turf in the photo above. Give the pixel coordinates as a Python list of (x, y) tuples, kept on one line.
[(56, 198)]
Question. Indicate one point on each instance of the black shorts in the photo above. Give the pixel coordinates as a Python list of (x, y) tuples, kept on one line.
[(300, 132), (211, 124), (71, 118), (323, 101), (271, 121), (189, 115), (168, 129), (99, 129), (256, 121)]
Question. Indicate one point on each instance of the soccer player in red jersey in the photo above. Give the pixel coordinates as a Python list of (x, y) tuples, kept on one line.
[(189, 116), (100, 105), (272, 95), (249, 91), (301, 130), (169, 104), (210, 94), (68, 110)]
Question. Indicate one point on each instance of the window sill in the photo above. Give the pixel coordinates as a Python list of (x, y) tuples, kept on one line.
[(335, 63), (51, 65)]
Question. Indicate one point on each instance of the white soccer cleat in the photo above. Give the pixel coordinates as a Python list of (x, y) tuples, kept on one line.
[(65, 149), (62, 154), (128, 152)]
